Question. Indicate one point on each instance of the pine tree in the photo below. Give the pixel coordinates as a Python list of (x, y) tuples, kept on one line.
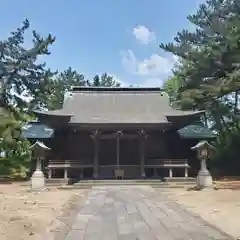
[(103, 81), (56, 86), (210, 56), (20, 74)]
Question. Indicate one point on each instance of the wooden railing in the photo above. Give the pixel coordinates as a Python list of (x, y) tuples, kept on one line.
[(159, 162), (67, 163), (168, 163), (174, 162)]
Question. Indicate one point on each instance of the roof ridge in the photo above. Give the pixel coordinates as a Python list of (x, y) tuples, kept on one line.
[(115, 89)]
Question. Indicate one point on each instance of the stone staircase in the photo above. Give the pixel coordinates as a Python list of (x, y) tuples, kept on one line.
[(169, 182), (173, 182)]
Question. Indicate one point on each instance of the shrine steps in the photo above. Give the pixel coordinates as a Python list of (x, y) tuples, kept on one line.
[(177, 182)]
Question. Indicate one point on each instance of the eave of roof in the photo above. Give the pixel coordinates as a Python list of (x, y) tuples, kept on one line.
[(57, 113)]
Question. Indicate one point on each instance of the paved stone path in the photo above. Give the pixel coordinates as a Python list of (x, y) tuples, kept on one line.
[(140, 213)]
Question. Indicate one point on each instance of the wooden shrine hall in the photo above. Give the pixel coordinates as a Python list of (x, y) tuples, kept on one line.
[(103, 133)]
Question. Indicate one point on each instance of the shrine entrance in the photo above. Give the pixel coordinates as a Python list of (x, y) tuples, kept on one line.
[(119, 152)]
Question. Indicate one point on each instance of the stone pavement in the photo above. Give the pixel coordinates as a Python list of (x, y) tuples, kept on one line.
[(137, 212)]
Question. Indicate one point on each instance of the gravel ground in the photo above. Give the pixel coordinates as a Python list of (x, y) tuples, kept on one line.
[(26, 215), (218, 207)]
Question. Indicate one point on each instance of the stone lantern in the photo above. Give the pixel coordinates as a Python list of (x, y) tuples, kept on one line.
[(39, 152), (204, 152)]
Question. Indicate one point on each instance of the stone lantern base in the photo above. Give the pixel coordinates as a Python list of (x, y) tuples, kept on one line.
[(204, 179), (38, 180)]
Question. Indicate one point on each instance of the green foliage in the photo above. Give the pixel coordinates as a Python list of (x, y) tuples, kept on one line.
[(103, 81), (20, 75), (210, 54), (208, 75), (9, 127), (226, 158), (19, 71), (17, 161), (55, 87), (172, 88)]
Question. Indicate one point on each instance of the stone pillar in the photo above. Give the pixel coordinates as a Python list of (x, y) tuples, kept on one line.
[(65, 173), (170, 173), (96, 157), (49, 173), (204, 151), (204, 178)]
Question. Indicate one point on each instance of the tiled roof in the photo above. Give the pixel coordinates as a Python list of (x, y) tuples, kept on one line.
[(35, 130), (196, 131), (118, 106)]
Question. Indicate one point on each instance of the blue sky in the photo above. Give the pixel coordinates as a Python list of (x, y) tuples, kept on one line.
[(120, 37)]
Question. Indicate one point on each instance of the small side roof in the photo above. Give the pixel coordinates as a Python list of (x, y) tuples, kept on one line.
[(196, 131), (35, 130)]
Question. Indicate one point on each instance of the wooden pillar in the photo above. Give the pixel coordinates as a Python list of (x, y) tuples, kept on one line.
[(81, 173), (155, 172), (118, 151), (49, 173), (142, 156), (95, 136), (170, 173), (142, 150), (96, 157), (65, 173)]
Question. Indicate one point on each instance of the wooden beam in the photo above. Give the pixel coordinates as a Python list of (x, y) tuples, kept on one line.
[(114, 136), (95, 133), (142, 133), (119, 133)]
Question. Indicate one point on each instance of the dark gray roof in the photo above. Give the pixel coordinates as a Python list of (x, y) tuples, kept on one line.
[(35, 130), (196, 131), (118, 105)]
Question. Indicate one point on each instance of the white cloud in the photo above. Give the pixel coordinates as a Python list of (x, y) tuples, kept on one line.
[(155, 69), (129, 60), (155, 65), (143, 35), (153, 82), (118, 79)]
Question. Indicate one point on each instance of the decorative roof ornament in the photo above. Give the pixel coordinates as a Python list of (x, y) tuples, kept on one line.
[(40, 145), (202, 144)]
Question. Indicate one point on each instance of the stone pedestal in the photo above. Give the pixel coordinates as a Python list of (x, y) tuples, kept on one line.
[(38, 180), (204, 178)]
